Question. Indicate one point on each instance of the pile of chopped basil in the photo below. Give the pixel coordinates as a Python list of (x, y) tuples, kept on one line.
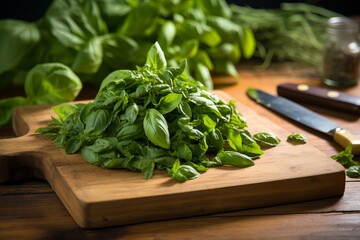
[(155, 117)]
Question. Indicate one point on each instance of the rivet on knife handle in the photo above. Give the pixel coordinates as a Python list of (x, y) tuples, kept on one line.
[(344, 138)]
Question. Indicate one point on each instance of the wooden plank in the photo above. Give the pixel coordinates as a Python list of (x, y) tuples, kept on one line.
[(38, 216), (347, 203)]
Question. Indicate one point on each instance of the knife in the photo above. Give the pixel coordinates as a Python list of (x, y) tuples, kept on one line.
[(324, 97), (306, 117)]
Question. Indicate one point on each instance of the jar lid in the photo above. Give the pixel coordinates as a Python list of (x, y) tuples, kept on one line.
[(342, 25)]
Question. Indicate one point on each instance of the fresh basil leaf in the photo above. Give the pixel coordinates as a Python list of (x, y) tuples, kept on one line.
[(167, 34), (353, 172), (235, 159), (249, 146), (199, 150), (216, 162), (161, 89), (226, 112), (17, 38), (147, 168), (115, 77), (89, 155), (103, 145), (189, 48), (185, 108), (109, 159), (182, 173), (131, 132), (202, 74), (345, 157), (203, 58), (225, 66), (248, 43), (52, 83), (215, 8), (73, 144), (182, 151), (114, 11), (99, 119), (211, 97), (206, 104), (49, 129), (138, 22), (61, 137), (156, 128), (233, 136), (207, 124), (266, 138), (77, 129), (7, 106), (166, 161), (55, 121), (225, 51), (86, 111), (64, 111), (215, 140), (195, 14), (241, 141), (179, 71), (120, 52), (156, 58), (238, 120), (192, 132), (197, 167), (169, 102), (230, 32), (90, 57), (132, 112), (210, 36), (73, 23), (116, 162), (297, 138)]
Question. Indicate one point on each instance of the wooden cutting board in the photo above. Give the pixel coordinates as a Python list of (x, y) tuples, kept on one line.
[(96, 197)]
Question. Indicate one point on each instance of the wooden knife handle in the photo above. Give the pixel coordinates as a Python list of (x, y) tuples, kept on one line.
[(344, 138), (320, 96)]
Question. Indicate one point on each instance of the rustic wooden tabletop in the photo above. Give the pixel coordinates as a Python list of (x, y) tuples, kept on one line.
[(31, 210)]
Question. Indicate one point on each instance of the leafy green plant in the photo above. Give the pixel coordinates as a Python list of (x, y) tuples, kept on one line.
[(155, 117), (46, 83), (296, 31), (96, 37)]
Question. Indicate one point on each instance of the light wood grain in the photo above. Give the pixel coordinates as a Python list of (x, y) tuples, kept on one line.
[(97, 198)]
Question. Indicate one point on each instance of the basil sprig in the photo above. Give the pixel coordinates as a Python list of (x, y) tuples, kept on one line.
[(155, 117)]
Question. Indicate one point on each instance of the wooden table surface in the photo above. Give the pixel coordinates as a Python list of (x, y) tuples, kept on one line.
[(31, 210)]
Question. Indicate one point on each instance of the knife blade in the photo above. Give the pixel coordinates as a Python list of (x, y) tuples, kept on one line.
[(306, 117)]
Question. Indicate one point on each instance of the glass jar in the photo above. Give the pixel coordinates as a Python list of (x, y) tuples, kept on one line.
[(341, 56)]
